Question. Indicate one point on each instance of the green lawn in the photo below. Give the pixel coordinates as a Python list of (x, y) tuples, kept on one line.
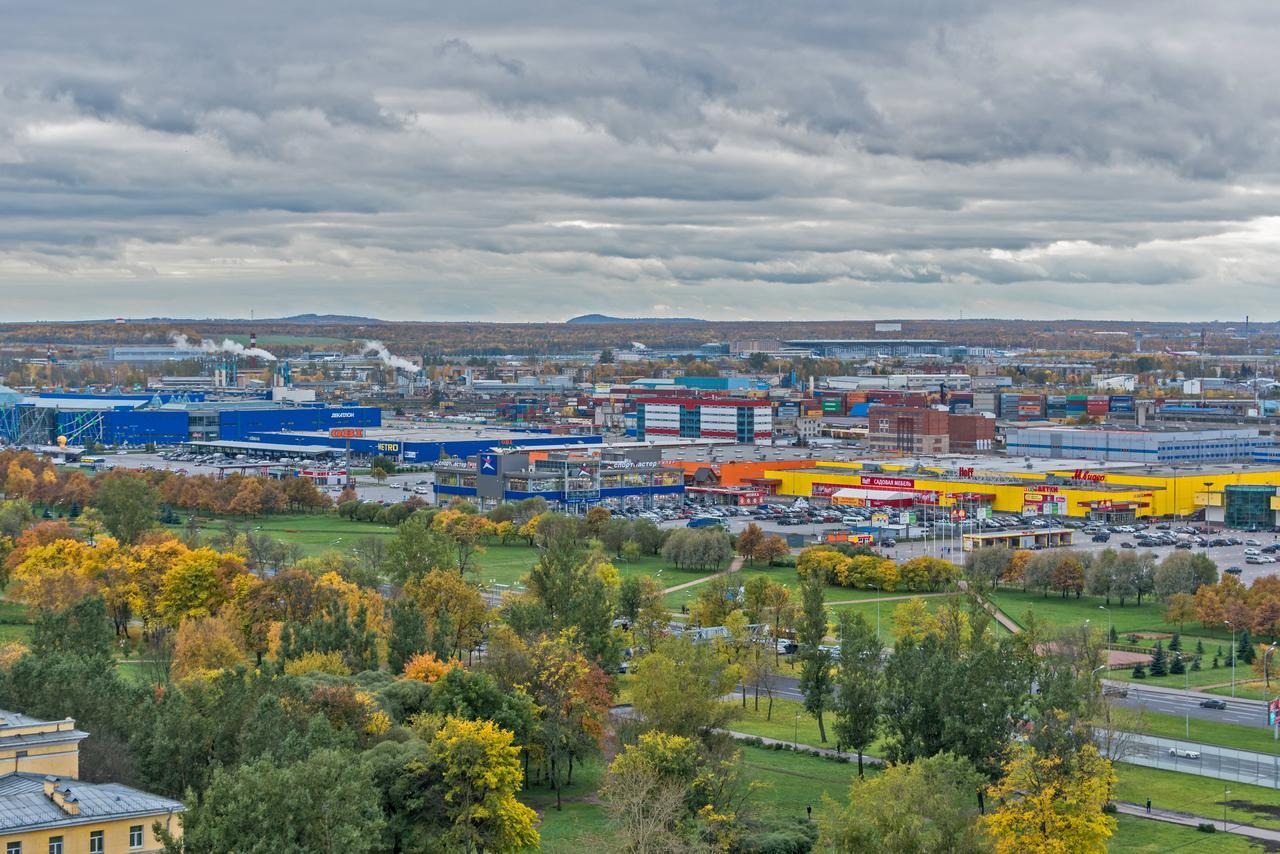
[(508, 564), (796, 781), (580, 826), (14, 623), (1196, 795), (1212, 732), (1142, 836), (1251, 690), (1207, 675), (1149, 616), (314, 532)]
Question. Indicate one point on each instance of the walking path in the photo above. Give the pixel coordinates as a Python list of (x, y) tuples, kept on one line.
[(1000, 616), (734, 566), (1187, 820), (887, 599)]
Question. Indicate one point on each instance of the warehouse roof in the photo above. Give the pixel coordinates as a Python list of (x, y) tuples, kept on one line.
[(262, 446)]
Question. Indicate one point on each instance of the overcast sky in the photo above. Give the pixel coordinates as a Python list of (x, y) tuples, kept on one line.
[(533, 161)]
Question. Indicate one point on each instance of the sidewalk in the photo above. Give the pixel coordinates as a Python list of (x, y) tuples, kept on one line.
[(734, 566), (1000, 616), (867, 759), (1187, 820)]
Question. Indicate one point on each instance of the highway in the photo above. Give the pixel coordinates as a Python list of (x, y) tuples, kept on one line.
[(1170, 702)]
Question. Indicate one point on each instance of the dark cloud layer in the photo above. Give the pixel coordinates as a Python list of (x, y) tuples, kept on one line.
[(499, 160)]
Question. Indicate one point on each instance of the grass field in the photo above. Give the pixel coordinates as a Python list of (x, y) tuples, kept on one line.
[(1251, 690), (1149, 616), (314, 532), (14, 624), (1203, 796), (796, 781), (508, 564), (1212, 732), (1141, 836), (1207, 675)]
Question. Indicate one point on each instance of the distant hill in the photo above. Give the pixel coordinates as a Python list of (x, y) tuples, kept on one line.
[(604, 318), (323, 318)]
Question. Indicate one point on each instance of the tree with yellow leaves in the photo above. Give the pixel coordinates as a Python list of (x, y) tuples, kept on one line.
[(196, 585), (912, 620), (203, 645), (1046, 807), (450, 605), (480, 772), (51, 577), (464, 530)]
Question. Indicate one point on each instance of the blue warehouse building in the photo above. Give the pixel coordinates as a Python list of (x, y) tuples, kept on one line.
[(425, 448), (565, 478), (162, 419)]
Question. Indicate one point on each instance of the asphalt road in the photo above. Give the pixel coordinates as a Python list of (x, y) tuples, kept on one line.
[(1238, 711)]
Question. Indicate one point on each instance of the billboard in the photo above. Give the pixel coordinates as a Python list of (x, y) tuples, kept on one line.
[(1273, 712), (346, 432), (888, 482)]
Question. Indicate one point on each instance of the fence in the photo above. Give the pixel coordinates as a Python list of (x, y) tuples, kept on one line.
[(1170, 754)]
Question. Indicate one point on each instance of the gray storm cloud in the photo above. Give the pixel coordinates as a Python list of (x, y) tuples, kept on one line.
[(517, 162)]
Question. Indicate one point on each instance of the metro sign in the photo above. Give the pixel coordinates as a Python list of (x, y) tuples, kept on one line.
[(1092, 477)]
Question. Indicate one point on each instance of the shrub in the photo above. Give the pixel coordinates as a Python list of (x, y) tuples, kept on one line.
[(1207, 827)]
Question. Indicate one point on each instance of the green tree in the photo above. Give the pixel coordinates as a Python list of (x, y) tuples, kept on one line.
[(128, 505), (480, 775), (408, 635), (83, 629), (678, 688), (927, 805), (816, 683), (1159, 661), (858, 685), (416, 549), (325, 803)]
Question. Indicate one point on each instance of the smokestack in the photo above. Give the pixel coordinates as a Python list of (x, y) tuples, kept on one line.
[(253, 345)]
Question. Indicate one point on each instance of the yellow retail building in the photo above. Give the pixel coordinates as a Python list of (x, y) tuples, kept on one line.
[(1106, 491)]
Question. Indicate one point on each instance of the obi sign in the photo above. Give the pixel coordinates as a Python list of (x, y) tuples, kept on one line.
[(346, 433)]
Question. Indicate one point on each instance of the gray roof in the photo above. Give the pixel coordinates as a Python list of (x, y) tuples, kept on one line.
[(25, 807)]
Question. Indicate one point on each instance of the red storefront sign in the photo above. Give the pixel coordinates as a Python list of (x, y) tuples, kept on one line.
[(889, 482)]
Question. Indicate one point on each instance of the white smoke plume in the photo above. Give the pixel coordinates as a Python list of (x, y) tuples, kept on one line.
[(388, 358), (227, 346)]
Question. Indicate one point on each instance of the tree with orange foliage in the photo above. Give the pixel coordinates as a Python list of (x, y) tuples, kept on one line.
[(19, 482), (425, 667)]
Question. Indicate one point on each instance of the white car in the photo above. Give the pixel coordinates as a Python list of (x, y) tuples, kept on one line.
[(1252, 552), (1180, 753)]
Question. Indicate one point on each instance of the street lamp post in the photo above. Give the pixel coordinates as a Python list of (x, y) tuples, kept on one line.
[(1233, 656), (1266, 681), (1108, 610)]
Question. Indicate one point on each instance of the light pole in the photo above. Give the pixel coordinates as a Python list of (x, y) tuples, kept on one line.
[(795, 736), (1108, 610), (1266, 681), (1233, 656), (1225, 792)]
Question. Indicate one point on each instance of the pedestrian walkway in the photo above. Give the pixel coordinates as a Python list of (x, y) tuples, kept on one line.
[(734, 566), (913, 596), (867, 759), (1000, 616), (1187, 820)]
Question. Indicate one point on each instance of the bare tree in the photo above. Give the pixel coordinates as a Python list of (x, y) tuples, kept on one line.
[(1118, 729), (645, 810)]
